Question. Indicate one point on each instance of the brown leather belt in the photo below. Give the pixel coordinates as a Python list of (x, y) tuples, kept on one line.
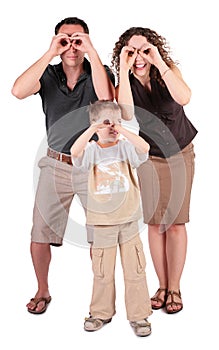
[(59, 156)]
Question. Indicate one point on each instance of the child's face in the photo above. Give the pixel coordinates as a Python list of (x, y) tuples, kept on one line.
[(107, 131)]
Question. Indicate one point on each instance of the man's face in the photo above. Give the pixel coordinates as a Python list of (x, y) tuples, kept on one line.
[(73, 56)]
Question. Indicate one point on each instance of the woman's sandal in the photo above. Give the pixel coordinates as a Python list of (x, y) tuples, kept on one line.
[(173, 303), (157, 298)]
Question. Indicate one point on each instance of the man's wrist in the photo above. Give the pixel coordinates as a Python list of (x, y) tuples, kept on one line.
[(92, 53)]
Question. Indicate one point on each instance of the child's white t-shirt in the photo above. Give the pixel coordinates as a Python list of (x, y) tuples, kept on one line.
[(113, 192)]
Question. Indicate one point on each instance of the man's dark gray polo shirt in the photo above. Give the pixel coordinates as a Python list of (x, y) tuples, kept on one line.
[(66, 110)]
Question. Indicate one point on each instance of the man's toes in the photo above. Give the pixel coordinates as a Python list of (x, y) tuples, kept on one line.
[(40, 306), (30, 305)]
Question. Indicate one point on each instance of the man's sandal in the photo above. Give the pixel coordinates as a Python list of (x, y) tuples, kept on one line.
[(141, 328), (36, 301), (173, 303), (158, 299), (92, 324)]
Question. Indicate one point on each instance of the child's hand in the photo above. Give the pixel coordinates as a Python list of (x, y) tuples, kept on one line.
[(95, 127), (101, 125)]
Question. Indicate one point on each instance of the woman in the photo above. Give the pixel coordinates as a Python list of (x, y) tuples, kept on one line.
[(151, 86)]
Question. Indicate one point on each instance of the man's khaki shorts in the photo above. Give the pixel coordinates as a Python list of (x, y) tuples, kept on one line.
[(57, 185)]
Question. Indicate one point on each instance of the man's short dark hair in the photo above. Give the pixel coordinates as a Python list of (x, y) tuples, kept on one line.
[(72, 20)]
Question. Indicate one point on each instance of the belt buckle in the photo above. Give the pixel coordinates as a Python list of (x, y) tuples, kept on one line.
[(60, 157)]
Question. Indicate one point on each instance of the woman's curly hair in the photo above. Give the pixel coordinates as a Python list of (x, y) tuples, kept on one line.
[(153, 38)]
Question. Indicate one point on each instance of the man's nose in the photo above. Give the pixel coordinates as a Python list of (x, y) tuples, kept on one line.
[(72, 47)]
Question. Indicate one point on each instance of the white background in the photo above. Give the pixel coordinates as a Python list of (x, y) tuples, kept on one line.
[(26, 30)]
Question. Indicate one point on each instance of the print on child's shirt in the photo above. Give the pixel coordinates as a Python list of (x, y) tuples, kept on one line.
[(109, 178)]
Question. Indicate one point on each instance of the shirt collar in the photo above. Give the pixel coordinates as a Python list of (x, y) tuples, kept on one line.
[(58, 68)]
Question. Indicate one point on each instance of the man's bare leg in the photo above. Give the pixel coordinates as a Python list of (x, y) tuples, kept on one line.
[(41, 257)]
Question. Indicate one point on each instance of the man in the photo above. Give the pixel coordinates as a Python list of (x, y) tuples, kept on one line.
[(66, 89)]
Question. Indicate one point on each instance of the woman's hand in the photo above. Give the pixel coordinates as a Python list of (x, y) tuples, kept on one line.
[(127, 57), (151, 53)]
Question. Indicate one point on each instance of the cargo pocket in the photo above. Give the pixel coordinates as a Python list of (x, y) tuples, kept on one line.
[(141, 262), (97, 262)]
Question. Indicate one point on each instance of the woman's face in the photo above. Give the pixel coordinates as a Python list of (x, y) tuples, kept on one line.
[(141, 65)]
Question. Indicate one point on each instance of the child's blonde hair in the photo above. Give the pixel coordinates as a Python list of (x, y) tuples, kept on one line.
[(97, 107)]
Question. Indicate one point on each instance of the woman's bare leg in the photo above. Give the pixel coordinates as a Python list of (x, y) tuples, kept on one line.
[(176, 248), (157, 245)]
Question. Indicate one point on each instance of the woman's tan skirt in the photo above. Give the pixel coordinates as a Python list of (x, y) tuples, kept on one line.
[(165, 185)]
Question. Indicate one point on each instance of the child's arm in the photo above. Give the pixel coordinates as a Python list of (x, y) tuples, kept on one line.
[(80, 144), (138, 142)]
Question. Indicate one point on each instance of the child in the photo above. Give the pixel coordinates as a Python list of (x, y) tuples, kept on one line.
[(113, 208)]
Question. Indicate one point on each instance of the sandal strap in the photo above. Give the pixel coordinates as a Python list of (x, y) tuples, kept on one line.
[(96, 321), (172, 302), (157, 298), (173, 292), (38, 300), (143, 323)]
